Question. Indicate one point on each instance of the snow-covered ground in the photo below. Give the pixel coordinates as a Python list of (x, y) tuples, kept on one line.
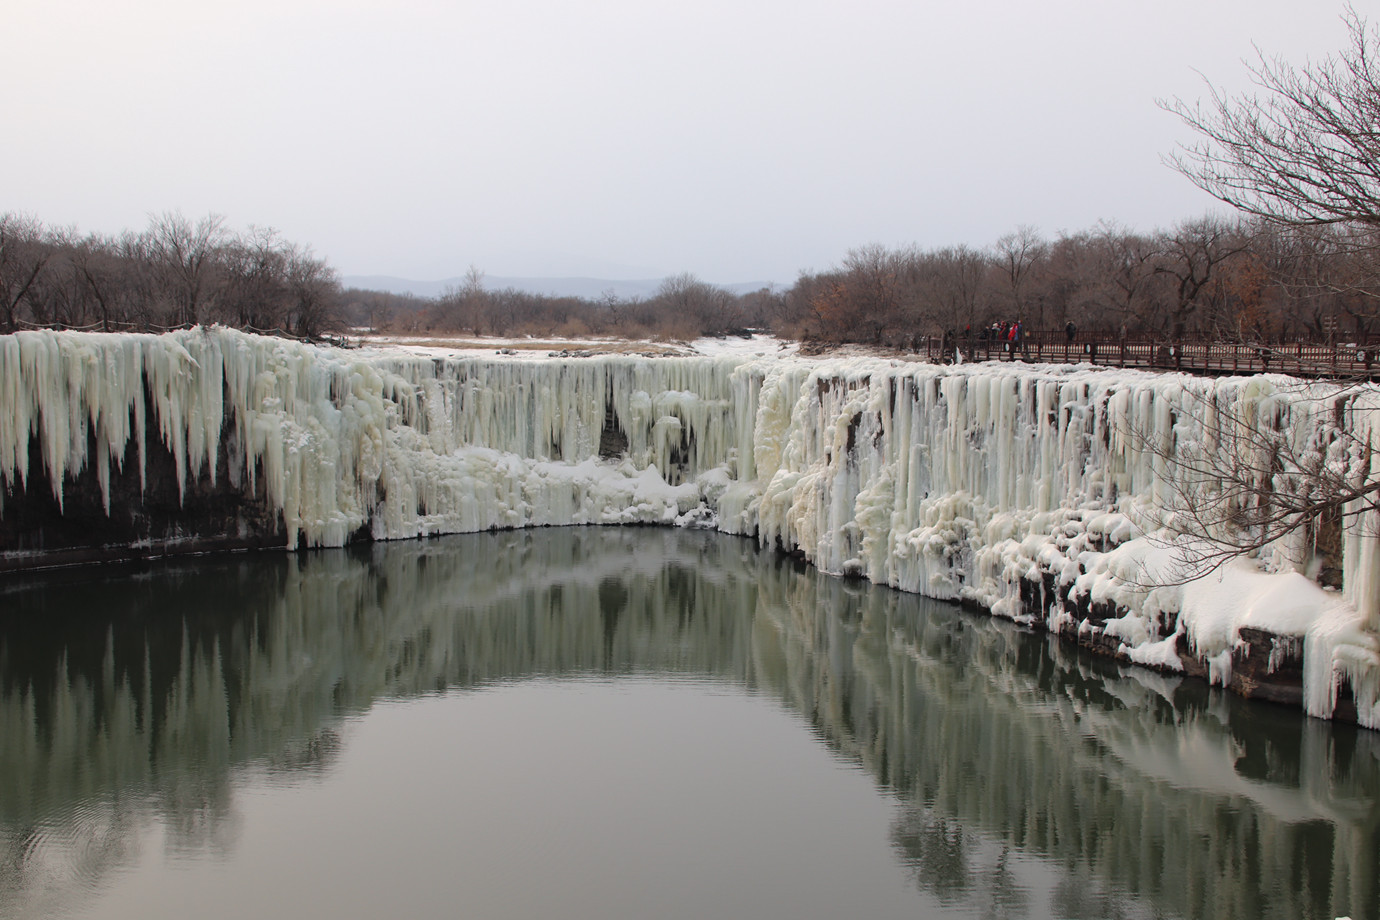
[(529, 348), (957, 482)]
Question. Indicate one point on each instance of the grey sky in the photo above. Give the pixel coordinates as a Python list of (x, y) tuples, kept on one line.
[(622, 138)]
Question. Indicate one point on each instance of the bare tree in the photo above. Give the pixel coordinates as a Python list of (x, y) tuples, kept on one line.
[(1193, 256), (23, 257), (761, 308), (255, 290), (313, 289), (952, 285), (377, 310), (693, 307), (1262, 471), (463, 306), (1307, 152), (872, 289), (1125, 264), (1304, 151), (1019, 254), (60, 298), (184, 255), (107, 279)]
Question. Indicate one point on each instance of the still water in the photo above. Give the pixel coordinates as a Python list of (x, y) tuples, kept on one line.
[(630, 723)]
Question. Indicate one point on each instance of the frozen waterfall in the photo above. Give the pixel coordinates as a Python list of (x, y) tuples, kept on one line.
[(1037, 492)]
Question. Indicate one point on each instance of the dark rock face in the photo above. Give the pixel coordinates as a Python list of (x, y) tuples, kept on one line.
[(1264, 665), (613, 442), (145, 521), (1268, 667)]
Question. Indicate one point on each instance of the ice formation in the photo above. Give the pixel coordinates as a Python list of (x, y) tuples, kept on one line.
[(1026, 489)]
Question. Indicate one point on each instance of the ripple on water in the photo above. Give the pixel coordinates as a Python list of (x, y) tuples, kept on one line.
[(65, 855)]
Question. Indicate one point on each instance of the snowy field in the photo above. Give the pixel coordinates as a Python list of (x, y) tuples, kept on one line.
[(528, 348)]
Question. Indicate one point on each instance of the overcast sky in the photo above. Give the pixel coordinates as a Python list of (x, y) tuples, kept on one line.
[(744, 140)]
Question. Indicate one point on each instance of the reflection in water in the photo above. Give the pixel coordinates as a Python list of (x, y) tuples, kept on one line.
[(129, 700)]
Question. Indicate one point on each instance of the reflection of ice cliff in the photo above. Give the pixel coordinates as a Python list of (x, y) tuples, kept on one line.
[(992, 737), (1048, 751), (1033, 491)]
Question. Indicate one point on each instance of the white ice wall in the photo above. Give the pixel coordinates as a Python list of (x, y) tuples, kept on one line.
[(954, 482), (961, 482), (408, 445)]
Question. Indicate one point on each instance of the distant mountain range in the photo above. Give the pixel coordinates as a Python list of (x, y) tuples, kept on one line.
[(588, 288)]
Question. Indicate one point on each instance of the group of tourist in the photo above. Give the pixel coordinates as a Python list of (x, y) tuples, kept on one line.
[(1012, 334), (1004, 331)]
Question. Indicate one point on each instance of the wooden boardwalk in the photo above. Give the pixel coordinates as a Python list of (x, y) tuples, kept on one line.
[(1351, 361)]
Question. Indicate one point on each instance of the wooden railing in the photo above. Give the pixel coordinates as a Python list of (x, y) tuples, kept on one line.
[(1360, 360)]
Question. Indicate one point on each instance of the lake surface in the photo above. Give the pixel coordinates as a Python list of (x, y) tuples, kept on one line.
[(591, 722)]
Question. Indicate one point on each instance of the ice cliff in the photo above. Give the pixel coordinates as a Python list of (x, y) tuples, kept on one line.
[(1046, 494)]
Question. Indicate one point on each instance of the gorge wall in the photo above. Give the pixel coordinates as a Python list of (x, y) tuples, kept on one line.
[(1053, 496)]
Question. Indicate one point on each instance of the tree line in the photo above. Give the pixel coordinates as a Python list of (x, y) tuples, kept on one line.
[(176, 272), (1243, 279)]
